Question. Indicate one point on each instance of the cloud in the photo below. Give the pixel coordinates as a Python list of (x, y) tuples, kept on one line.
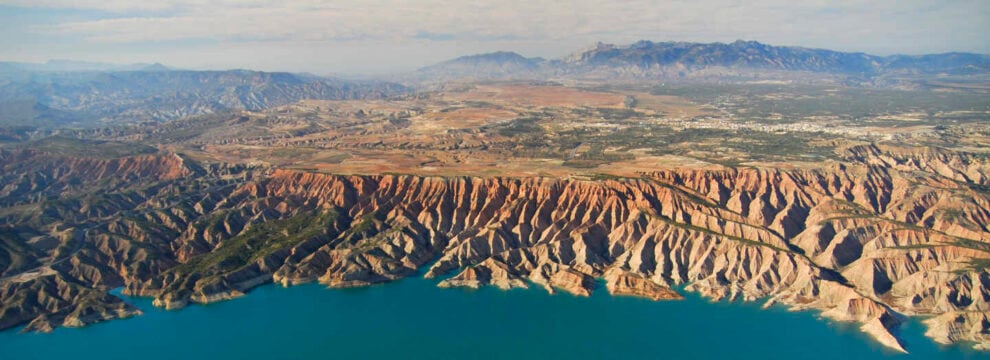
[(303, 20), (132, 5), (546, 27), (548, 20)]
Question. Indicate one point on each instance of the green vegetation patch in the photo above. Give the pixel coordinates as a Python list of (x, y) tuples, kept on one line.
[(979, 264), (521, 127), (972, 244), (914, 247), (690, 195), (15, 254), (260, 240), (690, 227), (602, 177)]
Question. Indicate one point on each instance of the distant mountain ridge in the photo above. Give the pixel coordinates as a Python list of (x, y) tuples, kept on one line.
[(82, 94), (646, 59), (752, 54), (82, 98), (73, 65), (490, 65)]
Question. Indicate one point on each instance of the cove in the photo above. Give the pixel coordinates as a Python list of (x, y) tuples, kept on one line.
[(413, 319)]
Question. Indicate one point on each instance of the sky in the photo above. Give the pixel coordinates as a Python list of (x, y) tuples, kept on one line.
[(390, 36)]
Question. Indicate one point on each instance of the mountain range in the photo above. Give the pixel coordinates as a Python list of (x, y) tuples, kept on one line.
[(740, 60), (86, 97), (84, 94)]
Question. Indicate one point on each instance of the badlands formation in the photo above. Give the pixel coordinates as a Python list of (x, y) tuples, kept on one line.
[(882, 234)]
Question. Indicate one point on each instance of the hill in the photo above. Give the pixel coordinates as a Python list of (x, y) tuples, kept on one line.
[(87, 98)]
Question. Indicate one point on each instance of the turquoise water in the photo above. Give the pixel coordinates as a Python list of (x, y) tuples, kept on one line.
[(413, 319)]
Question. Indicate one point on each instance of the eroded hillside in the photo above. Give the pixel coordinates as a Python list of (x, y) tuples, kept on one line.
[(884, 232)]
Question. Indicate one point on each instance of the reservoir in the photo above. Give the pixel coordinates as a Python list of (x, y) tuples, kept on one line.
[(413, 319)]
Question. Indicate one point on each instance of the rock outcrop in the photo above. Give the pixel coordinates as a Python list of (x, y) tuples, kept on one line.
[(620, 282), (55, 302), (488, 272), (951, 327)]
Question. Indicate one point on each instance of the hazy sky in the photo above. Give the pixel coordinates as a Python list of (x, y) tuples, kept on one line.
[(381, 36)]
